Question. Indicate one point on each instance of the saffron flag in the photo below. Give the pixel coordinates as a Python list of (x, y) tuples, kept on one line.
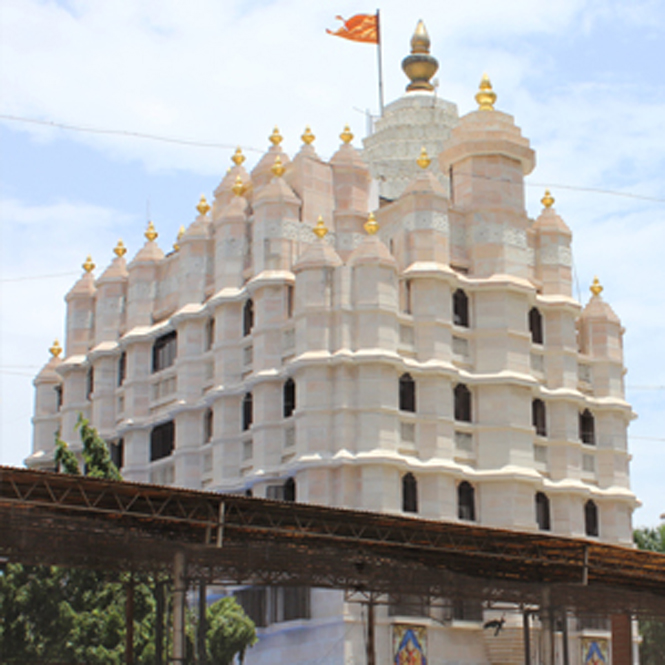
[(359, 28)]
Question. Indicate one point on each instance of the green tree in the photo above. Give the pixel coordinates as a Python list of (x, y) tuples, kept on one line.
[(230, 631), (652, 649), (98, 463), (65, 459)]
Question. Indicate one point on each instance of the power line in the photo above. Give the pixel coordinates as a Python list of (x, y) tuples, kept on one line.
[(123, 132), (33, 277)]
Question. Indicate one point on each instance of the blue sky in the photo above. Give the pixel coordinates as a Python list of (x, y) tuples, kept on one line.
[(583, 79)]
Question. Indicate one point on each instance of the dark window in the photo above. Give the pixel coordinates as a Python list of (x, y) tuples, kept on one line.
[(460, 308), (538, 417), (209, 335), (247, 411), (253, 601), (536, 326), (467, 609), (59, 396), (289, 397), (542, 511), (289, 603), (122, 368), (290, 490), (408, 306), (289, 301), (466, 502), (249, 492), (162, 441), (462, 403), (247, 318), (590, 518), (408, 605), (208, 425), (90, 383), (117, 452), (407, 393), (409, 493), (164, 351), (587, 428)]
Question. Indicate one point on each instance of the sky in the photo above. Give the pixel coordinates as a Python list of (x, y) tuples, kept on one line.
[(583, 79)]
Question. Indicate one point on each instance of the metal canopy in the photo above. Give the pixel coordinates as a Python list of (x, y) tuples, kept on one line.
[(58, 519)]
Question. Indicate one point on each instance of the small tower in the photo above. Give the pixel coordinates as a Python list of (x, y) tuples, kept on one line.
[(142, 281), (111, 295), (193, 257), (80, 308)]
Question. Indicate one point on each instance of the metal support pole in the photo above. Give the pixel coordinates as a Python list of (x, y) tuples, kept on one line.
[(547, 634), (129, 621), (566, 652), (202, 627), (179, 593), (159, 623), (371, 653), (527, 637)]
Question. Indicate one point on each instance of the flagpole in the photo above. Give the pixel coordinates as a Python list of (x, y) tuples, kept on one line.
[(378, 50)]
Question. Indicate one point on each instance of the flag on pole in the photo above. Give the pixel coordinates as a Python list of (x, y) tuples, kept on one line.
[(359, 28)]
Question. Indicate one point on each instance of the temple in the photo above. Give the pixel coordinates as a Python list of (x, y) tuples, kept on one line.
[(417, 353)]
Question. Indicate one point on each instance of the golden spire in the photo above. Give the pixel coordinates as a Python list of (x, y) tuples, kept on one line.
[(203, 206), (485, 96), (151, 234), (275, 138), (308, 137), (181, 233), (238, 158), (420, 66), (238, 188), (548, 199), (423, 161), (596, 287), (88, 265), (277, 168), (320, 229), (120, 250), (55, 349), (346, 135), (371, 225)]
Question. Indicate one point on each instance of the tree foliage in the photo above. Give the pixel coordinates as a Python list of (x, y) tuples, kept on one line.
[(230, 631), (652, 649)]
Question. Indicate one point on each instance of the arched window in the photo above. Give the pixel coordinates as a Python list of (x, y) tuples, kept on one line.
[(289, 300), (289, 397), (466, 502), (247, 318), (538, 417), (247, 411), (542, 511), (407, 393), (122, 368), (587, 428), (162, 440), (290, 490), (462, 403), (164, 351), (460, 308), (536, 326), (90, 383), (409, 493), (208, 425), (209, 334), (590, 518)]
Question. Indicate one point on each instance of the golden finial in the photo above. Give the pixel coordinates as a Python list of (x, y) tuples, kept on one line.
[(371, 225), (596, 287), (420, 66), (55, 349), (151, 234), (176, 244), (238, 188), (308, 137), (275, 138), (88, 266), (120, 250), (238, 158), (486, 96), (320, 229), (203, 206), (548, 199), (346, 135), (277, 168), (423, 161), (420, 40)]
